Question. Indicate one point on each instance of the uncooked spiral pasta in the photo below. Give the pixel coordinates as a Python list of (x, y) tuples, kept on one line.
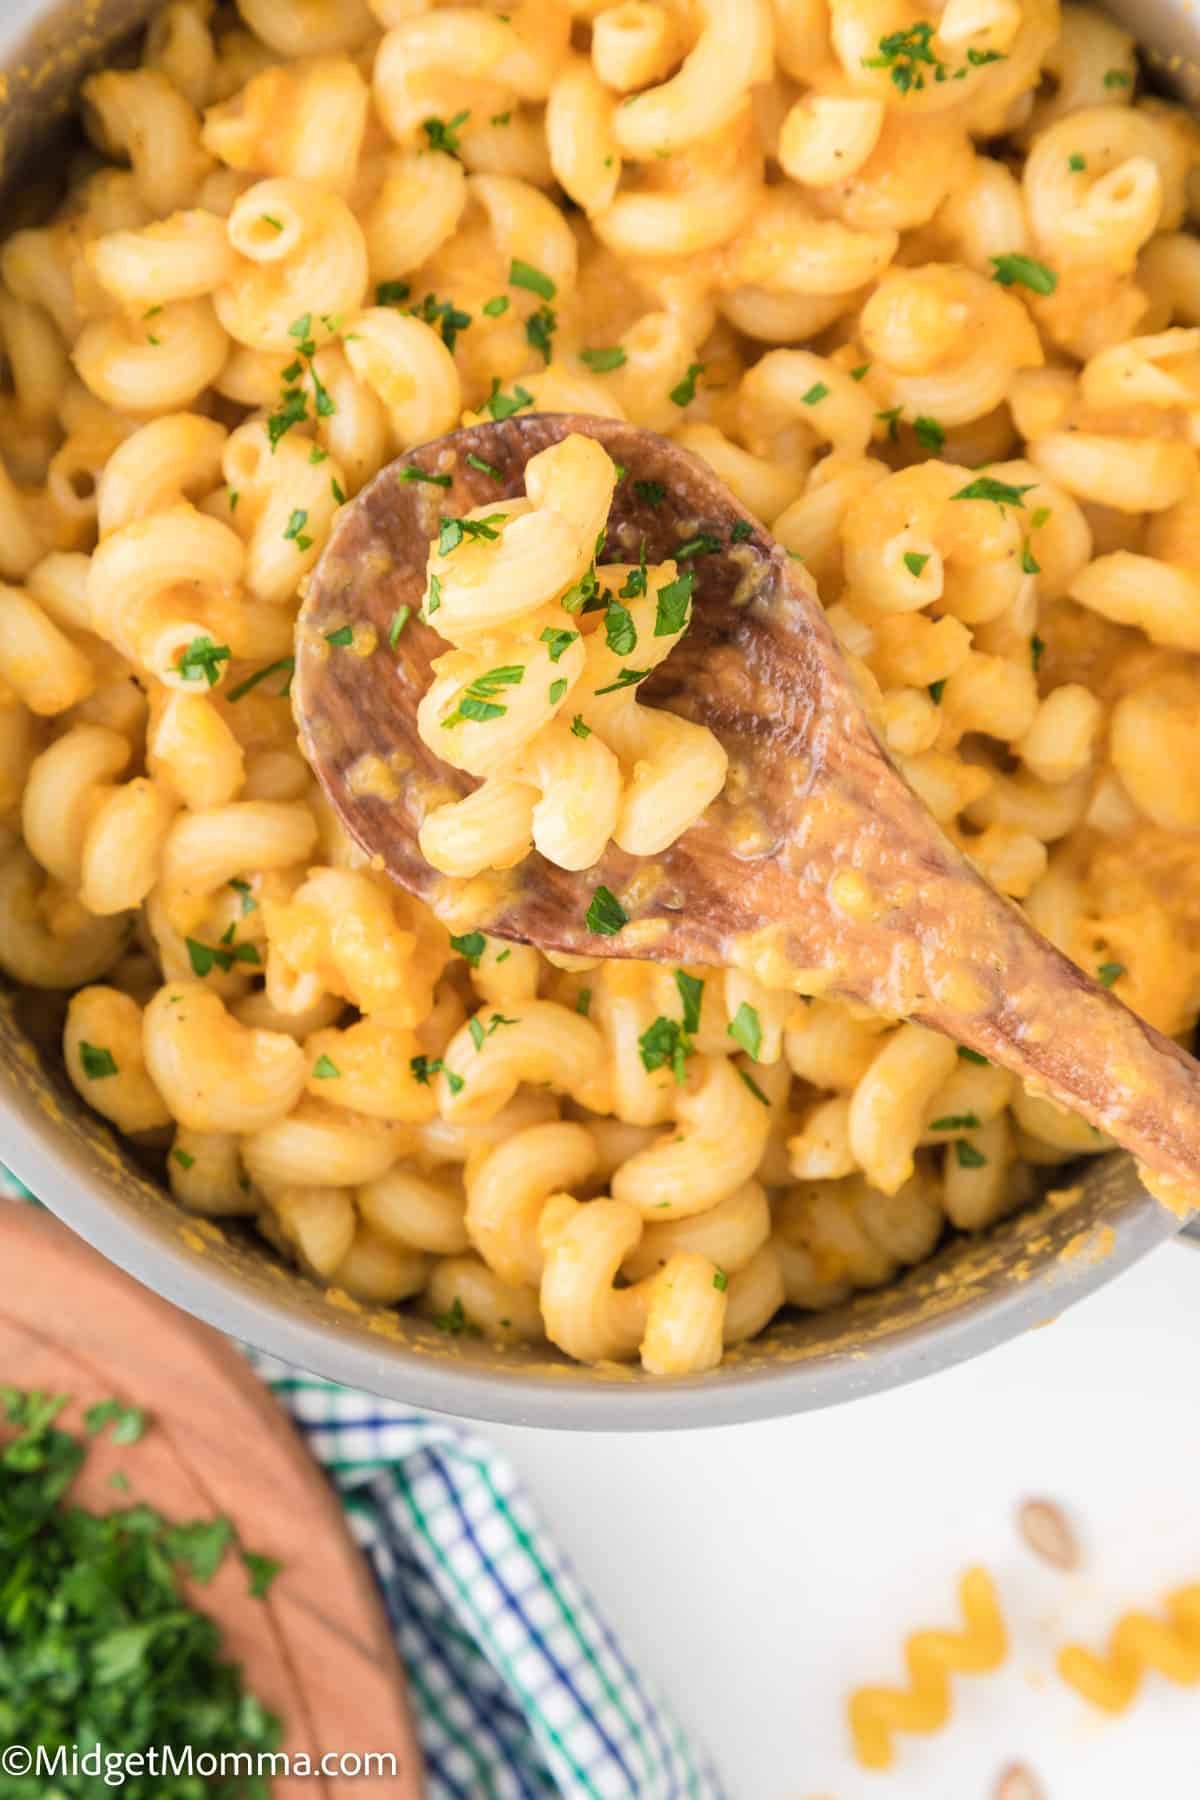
[(918, 284)]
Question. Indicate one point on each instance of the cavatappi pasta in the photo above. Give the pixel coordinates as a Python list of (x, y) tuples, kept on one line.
[(934, 320), (541, 638)]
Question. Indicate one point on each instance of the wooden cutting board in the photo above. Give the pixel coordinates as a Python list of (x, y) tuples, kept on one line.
[(317, 1650)]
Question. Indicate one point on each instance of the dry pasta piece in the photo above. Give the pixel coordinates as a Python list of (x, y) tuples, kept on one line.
[(1138, 1642), (875, 1713)]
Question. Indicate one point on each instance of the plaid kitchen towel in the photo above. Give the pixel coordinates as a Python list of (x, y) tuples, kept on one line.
[(520, 1689)]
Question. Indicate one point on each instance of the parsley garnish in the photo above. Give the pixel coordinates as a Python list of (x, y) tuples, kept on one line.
[(583, 1002), (720, 1280), (456, 1322), (452, 531), (691, 995), (392, 293), (557, 641), (652, 492), (818, 391), (906, 55), (485, 468), (745, 1028), (499, 303), (930, 435), (955, 1122), (400, 619), (663, 1044), (703, 544), (968, 1156), (199, 661), (325, 1070), (891, 417), (578, 728), (558, 689), (96, 1062), (1076, 163), (478, 697), (472, 945), (443, 134), (204, 958), (539, 331), (627, 678), (684, 392), (1029, 563), (753, 1086), (606, 915), (1025, 270), (1036, 651), (524, 275), (503, 406), (1109, 972), (620, 632), (972, 1056), (435, 596), (410, 472), (1115, 78), (914, 562), (673, 602), (341, 637), (284, 664), (936, 690), (182, 1158), (1001, 493), (601, 361), (295, 530), (449, 318), (424, 1068), (742, 531)]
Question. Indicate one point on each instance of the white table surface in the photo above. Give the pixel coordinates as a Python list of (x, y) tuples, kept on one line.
[(760, 1571)]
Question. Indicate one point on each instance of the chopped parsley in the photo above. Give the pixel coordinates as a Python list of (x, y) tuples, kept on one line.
[(635, 581), (1000, 493), (971, 1056), (857, 374), (324, 1069), (601, 361), (578, 728), (295, 530), (955, 1122), (665, 1044), (936, 690), (424, 1068), (472, 945), (485, 468), (720, 1280), (479, 1031), (930, 435), (891, 418), (914, 562), (443, 133), (182, 1157), (1039, 518), (284, 665), (605, 914), (410, 472), (1117, 78), (456, 1322), (1037, 650), (392, 293), (478, 702), (652, 492), (968, 1156), (557, 641), (503, 406), (583, 1002), (673, 602), (817, 392), (448, 318), (684, 392), (400, 619), (451, 532), (703, 544), (742, 531), (691, 995), (745, 1028), (626, 678), (1076, 163), (1025, 271), (906, 55), (558, 689), (341, 637), (1109, 972), (583, 595), (539, 331), (620, 632), (1029, 562), (200, 661), (524, 275), (750, 1082), (95, 1061), (499, 303), (435, 596), (204, 958)]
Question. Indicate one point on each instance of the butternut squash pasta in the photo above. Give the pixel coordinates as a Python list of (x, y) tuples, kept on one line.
[(865, 259)]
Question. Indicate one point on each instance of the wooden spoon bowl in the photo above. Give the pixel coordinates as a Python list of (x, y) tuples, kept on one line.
[(817, 868)]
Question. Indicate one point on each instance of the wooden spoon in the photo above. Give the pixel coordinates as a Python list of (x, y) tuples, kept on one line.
[(817, 868)]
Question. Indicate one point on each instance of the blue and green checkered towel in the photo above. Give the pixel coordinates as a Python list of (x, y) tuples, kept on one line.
[(519, 1687)]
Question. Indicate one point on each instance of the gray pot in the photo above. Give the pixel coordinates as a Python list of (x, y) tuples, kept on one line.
[(974, 1294)]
